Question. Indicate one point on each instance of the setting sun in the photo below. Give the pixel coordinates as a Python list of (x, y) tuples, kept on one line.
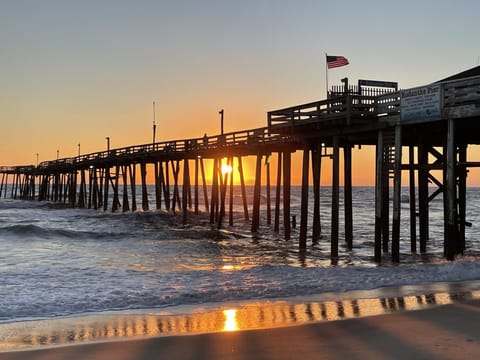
[(226, 169)]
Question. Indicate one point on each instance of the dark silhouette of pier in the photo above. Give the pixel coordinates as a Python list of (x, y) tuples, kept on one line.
[(437, 121)]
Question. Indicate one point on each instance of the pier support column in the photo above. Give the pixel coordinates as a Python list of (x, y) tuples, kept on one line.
[(335, 199), (230, 197), (106, 186), (451, 240), (397, 182), (214, 192), (304, 201), (125, 204), (133, 186), (423, 195), (276, 221), (269, 206), (143, 174), (413, 208), (185, 190), (158, 186), (462, 195), (256, 194), (195, 187), (347, 202), (316, 170), (204, 183), (223, 194), (287, 160), (244, 192), (379, 197)]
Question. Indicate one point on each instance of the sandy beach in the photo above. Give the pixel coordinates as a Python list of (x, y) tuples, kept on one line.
[(441, 332)]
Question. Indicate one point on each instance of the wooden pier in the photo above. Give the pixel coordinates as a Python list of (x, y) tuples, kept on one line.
[(438, 121)]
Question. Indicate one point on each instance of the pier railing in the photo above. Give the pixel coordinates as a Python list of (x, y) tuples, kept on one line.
[(169, 148), (347, 108)]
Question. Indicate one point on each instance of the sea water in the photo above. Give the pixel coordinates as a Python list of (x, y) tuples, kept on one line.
[(57, 261)]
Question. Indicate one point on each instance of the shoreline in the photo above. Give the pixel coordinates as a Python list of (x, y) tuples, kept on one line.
[(446, 332), (232, 317)]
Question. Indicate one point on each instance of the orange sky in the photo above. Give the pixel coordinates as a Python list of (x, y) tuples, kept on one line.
[(75, 72)]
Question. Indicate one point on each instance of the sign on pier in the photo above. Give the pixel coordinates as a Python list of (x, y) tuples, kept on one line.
[(421, 103)]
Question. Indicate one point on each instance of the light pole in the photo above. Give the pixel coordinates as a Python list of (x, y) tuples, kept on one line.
[(37, 159), (221, 121), (58, 154), (154, 126), (108, 144), (79, 150)]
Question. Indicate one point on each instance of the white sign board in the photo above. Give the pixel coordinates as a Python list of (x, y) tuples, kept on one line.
[(420, 103)]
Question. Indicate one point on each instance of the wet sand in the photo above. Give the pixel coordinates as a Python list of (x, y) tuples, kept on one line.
[(441, 332)]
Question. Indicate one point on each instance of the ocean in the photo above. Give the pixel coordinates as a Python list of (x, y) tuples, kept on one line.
[(65, 264)]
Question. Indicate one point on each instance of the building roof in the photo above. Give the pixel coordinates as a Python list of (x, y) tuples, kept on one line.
[(475, 71)]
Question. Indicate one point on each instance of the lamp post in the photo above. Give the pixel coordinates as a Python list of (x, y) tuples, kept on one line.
[(79, 150), (221, 121), (154, 126), (108, 144), (58, 154), (37, 159)]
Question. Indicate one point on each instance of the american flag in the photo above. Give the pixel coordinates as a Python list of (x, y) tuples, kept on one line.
[(336, 61)]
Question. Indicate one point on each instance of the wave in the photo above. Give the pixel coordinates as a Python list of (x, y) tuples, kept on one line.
[(31, 231)]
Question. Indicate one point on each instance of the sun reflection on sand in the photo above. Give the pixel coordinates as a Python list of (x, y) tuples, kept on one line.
[(254, 315), (231, 323)]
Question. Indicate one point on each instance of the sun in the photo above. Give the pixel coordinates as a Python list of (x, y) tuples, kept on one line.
[(226, 169)]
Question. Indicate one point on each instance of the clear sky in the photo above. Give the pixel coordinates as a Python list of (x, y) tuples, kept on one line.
[(77, 71)]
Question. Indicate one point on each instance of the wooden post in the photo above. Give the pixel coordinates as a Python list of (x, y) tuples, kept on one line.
[(204, 183), (105, 190), (379, 197), (386, 193), (100, 188), (214, 192), (176, 193), (256, 194), (196, 186), (90, 187), (413, 207), (133, 186), (162, 187), (116, 201), (462, 196), (230, 210), (143, 174), (269, 207), (304, 201), (125, 205), (81, 194), (185, 186), (397, 195), (276, 226), (287, 159), (451, 239), (347, 201), (316, 171), (244, 192), (95, 195), (166, 187), (223, 194), (158, 186), (335, 200), (423, 195)]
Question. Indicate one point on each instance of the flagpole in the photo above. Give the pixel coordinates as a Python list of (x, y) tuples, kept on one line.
[(326, 76)]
